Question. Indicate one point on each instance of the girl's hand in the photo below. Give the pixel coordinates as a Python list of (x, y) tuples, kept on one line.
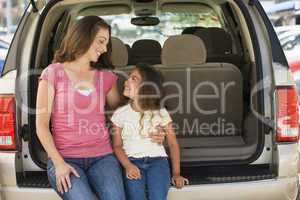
[(179, 181), (63, 172), (159, 136), (132, 172)]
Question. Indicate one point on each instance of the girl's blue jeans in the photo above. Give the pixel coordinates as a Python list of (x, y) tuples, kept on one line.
[(155, 179)]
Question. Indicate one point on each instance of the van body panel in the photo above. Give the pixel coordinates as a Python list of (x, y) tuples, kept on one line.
[(273, 189), (288, 160), (282, 158), (7, 83), (8, 169)]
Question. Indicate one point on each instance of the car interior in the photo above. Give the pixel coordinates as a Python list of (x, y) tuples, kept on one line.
[(202, 49)]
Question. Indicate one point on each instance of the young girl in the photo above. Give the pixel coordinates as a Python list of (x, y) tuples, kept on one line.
[(146, 164)]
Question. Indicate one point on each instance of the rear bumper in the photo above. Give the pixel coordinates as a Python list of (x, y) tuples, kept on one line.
[(285, 187), (8, 168), (16, 193), (273, 189)]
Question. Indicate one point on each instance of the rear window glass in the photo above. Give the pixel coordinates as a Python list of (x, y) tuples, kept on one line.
[(170, 24)]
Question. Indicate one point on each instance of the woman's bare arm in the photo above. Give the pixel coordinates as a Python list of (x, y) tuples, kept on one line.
[(113, 97), (44, 104)]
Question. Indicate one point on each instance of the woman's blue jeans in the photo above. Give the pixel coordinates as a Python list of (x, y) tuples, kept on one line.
[(100, 178)]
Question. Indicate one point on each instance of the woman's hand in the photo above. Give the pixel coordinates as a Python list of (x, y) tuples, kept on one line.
[(159, 136), (132, 172), (63, 181), (179, 181)]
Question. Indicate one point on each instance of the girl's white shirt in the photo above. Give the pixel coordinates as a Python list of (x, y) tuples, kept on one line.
[(136, 140)]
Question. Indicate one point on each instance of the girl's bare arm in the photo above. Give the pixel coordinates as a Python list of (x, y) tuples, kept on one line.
[(118, 146), (174, 149)]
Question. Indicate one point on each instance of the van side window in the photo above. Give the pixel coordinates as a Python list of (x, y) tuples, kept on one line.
[(11, 13)]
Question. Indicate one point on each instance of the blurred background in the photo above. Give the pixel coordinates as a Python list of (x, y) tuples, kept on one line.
[(284, 15), (11, 12)]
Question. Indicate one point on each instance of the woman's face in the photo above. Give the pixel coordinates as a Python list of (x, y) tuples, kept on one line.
[(99, 45), (132, 84)]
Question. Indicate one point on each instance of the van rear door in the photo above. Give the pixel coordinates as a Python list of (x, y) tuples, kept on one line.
[(12, 90), (24, 31)]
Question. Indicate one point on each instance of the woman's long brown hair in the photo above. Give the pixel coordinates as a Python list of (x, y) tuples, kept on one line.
[(78, 40)]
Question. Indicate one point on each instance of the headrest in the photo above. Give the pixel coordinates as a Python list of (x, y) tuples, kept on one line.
[(128, 47), (119, 54), (146, 48), (183, 49), (217, 40), (191, 30)]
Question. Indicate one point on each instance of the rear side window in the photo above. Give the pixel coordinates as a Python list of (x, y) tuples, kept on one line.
[(11, 12)]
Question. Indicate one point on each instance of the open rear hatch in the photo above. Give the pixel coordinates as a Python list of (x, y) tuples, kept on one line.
[(210, 153)]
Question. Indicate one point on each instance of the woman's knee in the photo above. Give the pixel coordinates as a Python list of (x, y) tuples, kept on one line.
[(109, 165), (106, 178), (80, 188)]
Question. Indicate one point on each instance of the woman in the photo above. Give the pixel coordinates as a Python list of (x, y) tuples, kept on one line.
[(73, 92)]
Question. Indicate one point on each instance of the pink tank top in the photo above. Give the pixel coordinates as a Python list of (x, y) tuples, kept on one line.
[(77, 120)]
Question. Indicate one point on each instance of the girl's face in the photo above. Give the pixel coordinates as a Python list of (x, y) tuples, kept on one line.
[(132, 84), (99, 45)]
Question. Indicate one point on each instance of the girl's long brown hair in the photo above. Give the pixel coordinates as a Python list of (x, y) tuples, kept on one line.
[(78, 40), (150, 91)]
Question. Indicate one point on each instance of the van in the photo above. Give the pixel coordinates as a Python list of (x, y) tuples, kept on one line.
[(228, 88)]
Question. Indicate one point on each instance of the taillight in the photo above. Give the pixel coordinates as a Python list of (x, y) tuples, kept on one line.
[(287, 124), (7, 122)]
